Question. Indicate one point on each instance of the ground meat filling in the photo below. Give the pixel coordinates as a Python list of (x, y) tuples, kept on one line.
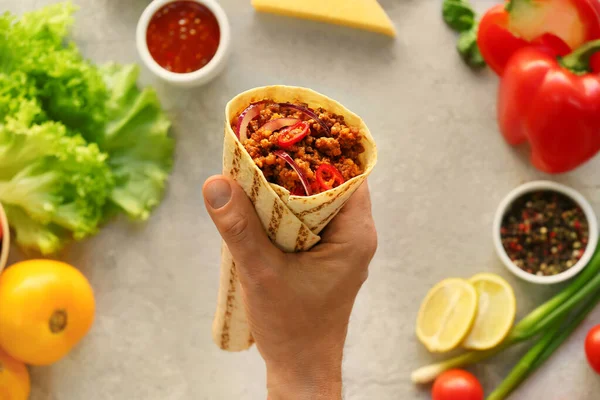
[(341, 149)]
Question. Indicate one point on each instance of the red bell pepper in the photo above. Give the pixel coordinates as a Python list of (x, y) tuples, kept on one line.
[(554, 103), (561, 25), (595, 63)]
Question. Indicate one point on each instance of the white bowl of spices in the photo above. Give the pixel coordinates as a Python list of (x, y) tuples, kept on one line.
[(184, 42), (4, 239), (545, 232)]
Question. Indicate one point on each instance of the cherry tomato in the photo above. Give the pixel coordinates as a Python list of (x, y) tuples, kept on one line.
[(592, 348), (457, 384)]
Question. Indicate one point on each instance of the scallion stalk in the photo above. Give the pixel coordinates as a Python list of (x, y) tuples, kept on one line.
[(542, 318), (543, 349)]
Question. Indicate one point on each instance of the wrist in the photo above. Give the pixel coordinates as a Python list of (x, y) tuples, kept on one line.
[(318, 379)]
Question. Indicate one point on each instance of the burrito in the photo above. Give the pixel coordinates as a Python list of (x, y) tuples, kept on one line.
[(299, 156)]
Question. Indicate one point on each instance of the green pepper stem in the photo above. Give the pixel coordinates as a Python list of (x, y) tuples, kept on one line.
[(579, 60)]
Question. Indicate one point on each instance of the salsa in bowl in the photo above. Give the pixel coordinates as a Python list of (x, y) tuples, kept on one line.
[(184, 42)]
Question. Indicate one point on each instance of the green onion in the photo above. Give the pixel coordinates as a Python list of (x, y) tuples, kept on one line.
[(543, 318), (543, 349)]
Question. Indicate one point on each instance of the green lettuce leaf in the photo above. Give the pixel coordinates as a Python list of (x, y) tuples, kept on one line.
[(33, 235), (137, 142), (70, 88), (78, 142), (59, 179)]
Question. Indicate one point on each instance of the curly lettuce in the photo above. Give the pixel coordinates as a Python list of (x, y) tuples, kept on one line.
[(78, 142), (59, 180), (136, 139)]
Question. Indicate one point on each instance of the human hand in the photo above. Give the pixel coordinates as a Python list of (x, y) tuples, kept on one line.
[(298, 304)]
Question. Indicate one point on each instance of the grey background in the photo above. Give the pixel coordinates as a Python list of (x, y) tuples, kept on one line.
[(443, 169)]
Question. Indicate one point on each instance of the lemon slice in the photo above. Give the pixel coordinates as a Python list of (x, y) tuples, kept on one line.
[(496, 312), (446, 315)]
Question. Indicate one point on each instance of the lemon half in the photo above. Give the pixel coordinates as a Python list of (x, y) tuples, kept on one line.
[(447, 315), (495, 313)]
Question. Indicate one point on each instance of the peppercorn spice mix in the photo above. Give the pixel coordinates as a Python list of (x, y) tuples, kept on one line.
[(544, 233)]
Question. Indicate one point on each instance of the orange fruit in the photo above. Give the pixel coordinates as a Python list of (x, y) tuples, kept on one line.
[(14, 378), (47, 308)]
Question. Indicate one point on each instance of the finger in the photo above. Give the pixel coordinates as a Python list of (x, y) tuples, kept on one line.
[(237, 222), (352, 220)]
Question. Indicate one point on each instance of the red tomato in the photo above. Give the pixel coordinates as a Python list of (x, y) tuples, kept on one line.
[(592, 348), (457, 384)]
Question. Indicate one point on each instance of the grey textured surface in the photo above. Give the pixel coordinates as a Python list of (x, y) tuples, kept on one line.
[(443, 168)]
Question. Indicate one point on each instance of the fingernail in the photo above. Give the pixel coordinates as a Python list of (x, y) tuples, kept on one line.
[(217, 193)]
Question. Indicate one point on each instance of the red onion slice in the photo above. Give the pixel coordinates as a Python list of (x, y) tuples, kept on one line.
[(288, 159), (309, 113), (246, 117), (279, 123)]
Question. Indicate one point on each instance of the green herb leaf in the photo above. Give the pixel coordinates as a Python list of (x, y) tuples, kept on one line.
[(458, 14), (469, 50)]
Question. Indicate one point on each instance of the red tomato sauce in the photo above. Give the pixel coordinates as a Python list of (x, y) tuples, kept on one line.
[(183, 36)]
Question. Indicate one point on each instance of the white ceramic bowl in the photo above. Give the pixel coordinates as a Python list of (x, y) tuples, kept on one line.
[(5, 239), (578, 199), (195, 78)]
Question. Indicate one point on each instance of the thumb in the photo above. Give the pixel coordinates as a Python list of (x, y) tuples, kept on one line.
[(235, 218)]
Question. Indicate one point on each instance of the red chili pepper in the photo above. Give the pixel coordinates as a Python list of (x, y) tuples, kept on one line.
[(554, 104), (293, 134), (560, 25), (329, 177)]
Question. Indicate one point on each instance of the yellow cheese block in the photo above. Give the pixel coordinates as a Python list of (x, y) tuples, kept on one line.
[(362, 14)]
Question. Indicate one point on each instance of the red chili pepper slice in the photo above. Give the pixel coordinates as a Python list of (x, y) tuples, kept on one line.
[(329, 177), (293, 134)]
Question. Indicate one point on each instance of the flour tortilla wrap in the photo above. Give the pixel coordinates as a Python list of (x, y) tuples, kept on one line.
[(291, 222)]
